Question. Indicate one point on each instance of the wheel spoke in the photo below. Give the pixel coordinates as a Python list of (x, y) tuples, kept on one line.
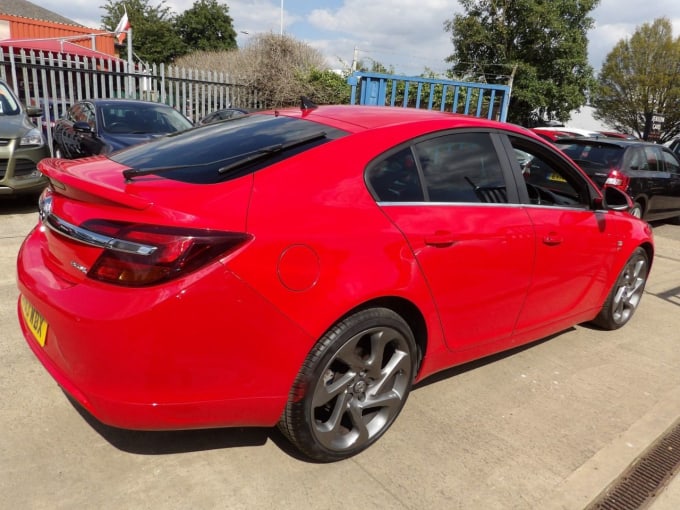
[(399, 363), (331, 428), (357, 417), (349, 354), (324, 393), (390, 399)]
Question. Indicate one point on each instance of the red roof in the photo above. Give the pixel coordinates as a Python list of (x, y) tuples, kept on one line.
[(55, 46)]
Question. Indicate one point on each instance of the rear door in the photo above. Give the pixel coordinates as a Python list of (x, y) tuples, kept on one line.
[(451, 198)]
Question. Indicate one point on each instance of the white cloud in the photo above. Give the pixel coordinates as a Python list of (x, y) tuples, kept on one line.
[(405, 34)]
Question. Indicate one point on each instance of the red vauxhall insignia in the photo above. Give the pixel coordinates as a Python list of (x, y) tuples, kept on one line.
[(305, 267)]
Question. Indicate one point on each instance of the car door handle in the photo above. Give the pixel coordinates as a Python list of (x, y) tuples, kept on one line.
[(440, 239), (553, 239)]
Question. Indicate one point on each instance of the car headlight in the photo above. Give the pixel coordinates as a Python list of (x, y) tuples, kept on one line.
[(33, 137)]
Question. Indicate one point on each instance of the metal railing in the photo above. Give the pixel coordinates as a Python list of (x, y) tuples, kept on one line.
[(53, 82), (478, 99)]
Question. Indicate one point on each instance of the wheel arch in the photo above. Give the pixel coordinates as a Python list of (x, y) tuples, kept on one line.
[(649, 250), (643, 201), (408, 311)]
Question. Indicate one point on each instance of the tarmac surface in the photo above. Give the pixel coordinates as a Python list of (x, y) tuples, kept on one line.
[(548, 426)]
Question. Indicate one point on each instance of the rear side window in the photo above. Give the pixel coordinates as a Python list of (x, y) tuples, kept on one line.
[(396, 178), (462, 167), (671, 162), (452, 168), (222, 151), (653, 156)]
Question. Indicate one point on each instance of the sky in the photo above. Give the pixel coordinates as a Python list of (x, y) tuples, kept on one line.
[(406, 35)]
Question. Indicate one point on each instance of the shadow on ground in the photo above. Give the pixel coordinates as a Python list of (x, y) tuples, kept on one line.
[(18, 204)]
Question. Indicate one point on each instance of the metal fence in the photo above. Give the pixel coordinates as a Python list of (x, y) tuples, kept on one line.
[(478, 99), (53, 82)]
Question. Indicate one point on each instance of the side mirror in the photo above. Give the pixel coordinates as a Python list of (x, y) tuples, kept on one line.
[(82, 127), (616, 200), (33, 111)]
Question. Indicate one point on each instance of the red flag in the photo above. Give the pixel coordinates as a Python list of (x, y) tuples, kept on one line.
[(122, 28)]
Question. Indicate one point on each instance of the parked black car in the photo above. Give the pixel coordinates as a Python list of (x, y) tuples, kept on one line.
[(101, 126), (649, 173)]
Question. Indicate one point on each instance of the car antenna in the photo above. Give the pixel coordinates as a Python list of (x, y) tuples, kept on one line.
[(307, 104)]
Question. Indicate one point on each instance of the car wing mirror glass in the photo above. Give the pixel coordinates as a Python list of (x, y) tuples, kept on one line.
[(616, 200), (82, 127)]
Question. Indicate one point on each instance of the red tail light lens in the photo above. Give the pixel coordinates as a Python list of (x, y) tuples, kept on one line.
[(142, 255), (618, 180)]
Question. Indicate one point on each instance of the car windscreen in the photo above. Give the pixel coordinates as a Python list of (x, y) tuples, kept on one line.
[(221, 151), (598, 155), (135, 118), (8, 103)]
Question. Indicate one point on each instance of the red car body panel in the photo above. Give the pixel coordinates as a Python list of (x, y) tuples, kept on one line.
[(221, 346)]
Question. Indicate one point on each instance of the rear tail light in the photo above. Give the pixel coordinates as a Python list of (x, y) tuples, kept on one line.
[(618, 180), (141, 255)]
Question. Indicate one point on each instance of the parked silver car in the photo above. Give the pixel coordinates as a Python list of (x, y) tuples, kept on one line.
[(22, 146)]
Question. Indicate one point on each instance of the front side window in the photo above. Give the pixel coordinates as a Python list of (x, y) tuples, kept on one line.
[(547, 179)]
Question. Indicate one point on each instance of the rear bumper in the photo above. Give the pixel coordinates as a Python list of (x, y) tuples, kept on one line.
[(206, 351)]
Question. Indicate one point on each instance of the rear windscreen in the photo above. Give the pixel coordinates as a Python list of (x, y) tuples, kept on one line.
[(598, 155), (222, 151)]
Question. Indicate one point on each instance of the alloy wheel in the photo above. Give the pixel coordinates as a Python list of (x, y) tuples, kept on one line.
[(361, 389)]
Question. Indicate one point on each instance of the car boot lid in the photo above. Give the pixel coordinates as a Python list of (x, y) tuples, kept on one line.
[(98, 177)]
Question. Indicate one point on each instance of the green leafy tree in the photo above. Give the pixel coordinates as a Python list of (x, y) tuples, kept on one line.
[(538, 46), (207, 26), (326, 87), (640, 78), (154, 38)]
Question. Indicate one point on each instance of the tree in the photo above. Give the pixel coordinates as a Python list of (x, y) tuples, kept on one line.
[(538, 46), (640, 78), (280, 67), (207, 26), (154, 38)]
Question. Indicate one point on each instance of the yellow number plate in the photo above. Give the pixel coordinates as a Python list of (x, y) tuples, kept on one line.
[(35, 322)]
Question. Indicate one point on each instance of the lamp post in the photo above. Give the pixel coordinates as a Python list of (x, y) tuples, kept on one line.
[(281, 17)]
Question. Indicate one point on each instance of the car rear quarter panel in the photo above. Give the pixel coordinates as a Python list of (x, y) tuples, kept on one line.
[(319, 208)]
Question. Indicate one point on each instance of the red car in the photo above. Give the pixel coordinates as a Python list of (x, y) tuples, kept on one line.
[(305, 267)]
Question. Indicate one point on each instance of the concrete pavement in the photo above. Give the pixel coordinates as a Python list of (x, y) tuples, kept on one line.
[(544, 427)]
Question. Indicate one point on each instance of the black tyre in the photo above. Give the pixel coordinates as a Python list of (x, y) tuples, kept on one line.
[(625, 296), (636, 210), (352, 386)]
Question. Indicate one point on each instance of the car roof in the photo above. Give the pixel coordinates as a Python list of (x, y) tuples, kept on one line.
[(355, 118)]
